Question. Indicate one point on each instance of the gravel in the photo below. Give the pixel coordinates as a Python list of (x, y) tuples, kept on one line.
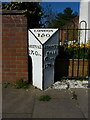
[(66, 84)]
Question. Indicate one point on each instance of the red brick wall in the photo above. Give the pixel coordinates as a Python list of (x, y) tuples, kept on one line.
[(0, 49), (14, 44)]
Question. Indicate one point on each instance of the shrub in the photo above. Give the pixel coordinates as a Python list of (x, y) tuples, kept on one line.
[(75, 51)]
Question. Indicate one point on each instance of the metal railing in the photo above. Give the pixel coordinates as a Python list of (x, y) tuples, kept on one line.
[(76, 53)]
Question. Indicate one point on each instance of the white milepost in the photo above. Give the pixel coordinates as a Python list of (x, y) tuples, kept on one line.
[(43, 49), (84, 16)]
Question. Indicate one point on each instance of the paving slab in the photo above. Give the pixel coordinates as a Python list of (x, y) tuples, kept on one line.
[(57, 108), (18, 102), (25, 104), (82, 98), (54, 93)]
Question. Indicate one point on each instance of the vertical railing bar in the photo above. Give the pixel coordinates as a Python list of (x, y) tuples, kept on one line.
[(67, 33), (73, 59), (84, 48), (78, 56), (62, 42), (61, 37), (73, 47), (61, 31), (67, 36), (78, 50), (73, 50)]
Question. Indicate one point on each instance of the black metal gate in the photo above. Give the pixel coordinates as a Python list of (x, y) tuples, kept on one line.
[(73, 61)]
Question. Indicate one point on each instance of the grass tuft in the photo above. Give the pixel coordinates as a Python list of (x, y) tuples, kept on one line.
[(44, 98), (21, 84)]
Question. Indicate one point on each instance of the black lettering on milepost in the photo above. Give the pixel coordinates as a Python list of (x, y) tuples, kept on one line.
[(36, 53), (32, 52)]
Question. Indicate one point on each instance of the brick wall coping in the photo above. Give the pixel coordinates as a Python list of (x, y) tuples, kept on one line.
[(11, 12)]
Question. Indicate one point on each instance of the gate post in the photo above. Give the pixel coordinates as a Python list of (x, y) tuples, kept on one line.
[(89, 68), (84, 16)]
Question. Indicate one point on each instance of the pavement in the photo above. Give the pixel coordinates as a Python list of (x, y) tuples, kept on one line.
[(20, 103)]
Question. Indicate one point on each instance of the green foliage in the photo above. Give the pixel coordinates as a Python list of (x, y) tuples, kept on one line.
[(81, 78), (73, 52), (60, 19), (64, 78), (48, 16), (44, 98), (32, 10), (21, 84)]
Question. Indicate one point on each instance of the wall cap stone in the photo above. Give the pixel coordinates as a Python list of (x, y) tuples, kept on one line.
[(11, 12)]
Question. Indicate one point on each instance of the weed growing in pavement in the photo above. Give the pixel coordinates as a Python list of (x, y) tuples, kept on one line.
[(74, 96), (68, 86), (21, 84), (44, 98), (6, 84)]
